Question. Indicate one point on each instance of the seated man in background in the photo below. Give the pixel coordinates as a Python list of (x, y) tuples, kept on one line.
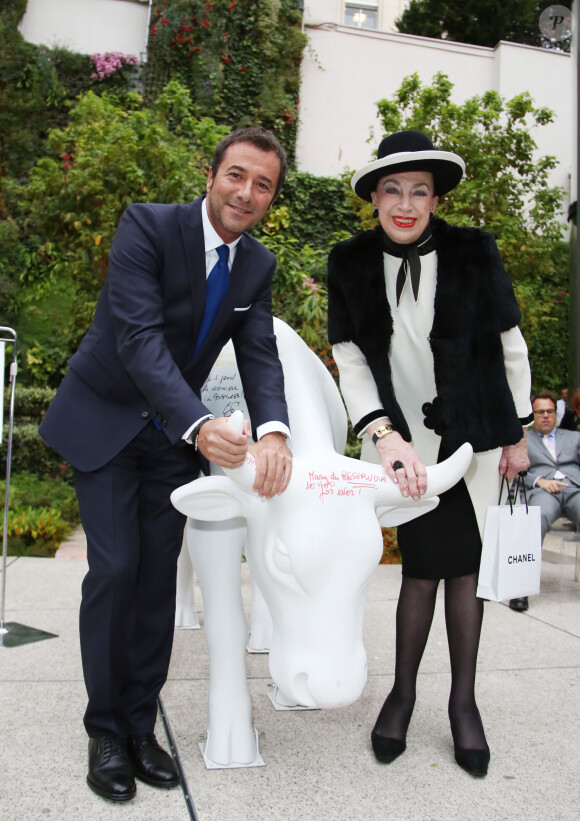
[(554, 473)]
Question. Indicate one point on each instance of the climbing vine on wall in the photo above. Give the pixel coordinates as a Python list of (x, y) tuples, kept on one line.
[(239, 58)]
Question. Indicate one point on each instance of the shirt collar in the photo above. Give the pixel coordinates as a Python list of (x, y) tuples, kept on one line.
[(211, 237)]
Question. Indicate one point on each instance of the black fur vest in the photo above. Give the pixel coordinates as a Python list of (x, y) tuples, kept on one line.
[(474, 303)]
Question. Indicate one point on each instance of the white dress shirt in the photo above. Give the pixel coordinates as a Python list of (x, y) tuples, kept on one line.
[(212, 241)]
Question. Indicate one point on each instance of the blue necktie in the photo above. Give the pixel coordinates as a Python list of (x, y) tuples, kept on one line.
[(217, 287)]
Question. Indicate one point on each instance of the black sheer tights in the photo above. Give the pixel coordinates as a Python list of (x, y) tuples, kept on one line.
[(463, 617)]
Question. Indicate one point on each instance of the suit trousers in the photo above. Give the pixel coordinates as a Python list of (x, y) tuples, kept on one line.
[(127, 614), (566, 503)]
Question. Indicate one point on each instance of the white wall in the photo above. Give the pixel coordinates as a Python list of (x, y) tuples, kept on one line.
[(345, 71), (87, 26)]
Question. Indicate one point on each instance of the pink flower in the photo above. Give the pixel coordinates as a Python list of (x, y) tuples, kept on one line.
[(308, 284), (110, 62)]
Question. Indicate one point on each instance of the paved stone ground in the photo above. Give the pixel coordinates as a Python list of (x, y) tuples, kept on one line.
[(319, 764)]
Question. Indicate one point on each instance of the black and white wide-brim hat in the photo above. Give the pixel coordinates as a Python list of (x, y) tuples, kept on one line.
[(409, 151)]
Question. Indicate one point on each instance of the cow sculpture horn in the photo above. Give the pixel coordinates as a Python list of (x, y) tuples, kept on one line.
[(440, 477), (245, 475)]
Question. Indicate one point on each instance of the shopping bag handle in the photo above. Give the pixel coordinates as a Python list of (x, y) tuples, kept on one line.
[(520, 478)]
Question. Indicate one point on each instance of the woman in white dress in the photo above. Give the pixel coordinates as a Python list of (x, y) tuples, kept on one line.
[(423, 322)]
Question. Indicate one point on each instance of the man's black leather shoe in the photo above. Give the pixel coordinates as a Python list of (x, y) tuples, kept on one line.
[(151, 763), (110, 772), (520, 604)]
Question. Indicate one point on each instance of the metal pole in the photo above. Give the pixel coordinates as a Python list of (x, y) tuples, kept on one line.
[(11, 633), (147, 31), (575, 234), (4, 332)]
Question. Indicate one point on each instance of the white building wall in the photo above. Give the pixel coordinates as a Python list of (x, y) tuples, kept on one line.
[(345, 71), (88, 26)]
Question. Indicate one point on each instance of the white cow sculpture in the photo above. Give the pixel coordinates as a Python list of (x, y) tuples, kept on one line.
[(311, 552)]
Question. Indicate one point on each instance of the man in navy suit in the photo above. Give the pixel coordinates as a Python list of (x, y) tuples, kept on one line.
[(129, 418), (553, 476)]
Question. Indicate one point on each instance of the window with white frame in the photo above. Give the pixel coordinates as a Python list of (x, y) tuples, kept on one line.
[(361, 15)]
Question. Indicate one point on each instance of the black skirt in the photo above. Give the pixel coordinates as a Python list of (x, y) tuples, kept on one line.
[(444, 543)]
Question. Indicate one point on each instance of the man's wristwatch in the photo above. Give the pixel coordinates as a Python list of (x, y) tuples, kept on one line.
[(195, 432), (384, 430)]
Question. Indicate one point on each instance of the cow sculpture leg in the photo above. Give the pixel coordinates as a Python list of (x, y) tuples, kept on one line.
[(185, 612), (186, 615), (231, 740), (260, 623)]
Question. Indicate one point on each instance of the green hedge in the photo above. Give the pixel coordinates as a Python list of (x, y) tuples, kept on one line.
[(30, 403), (41, 514), (30, 454)]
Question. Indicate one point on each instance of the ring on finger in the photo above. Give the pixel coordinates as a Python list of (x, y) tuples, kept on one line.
[(398, 465)]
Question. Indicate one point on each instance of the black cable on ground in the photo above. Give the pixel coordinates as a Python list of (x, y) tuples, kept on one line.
[(175, 753)]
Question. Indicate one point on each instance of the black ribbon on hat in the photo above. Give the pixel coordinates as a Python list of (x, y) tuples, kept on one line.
[(410, 255)]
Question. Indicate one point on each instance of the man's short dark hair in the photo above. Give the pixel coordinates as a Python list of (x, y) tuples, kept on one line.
[(546, 395), (262, 139)]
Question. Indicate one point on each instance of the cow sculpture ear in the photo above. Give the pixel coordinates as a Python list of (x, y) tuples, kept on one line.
[(210, 499)]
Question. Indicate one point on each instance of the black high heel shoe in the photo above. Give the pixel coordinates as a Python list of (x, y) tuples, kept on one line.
[(387, 749), (474, 762)]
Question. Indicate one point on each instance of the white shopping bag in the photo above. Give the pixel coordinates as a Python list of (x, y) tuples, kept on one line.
[(511, 556)]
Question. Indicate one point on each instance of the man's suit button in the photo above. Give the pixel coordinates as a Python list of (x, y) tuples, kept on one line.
[(144, 414)]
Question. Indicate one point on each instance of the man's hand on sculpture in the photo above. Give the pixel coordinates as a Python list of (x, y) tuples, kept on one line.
[(412, 476), (220, 443), (514, 459), (273, 465)]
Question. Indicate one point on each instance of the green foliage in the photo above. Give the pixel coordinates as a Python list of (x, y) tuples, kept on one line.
[(41, 514), (29, 489), (506, 191), (30, 403), (317, 208), (240, 59), (36, 531), (67, 211), (311, 215), (476, 21), (298, 297), (30, 454), (37, 87), (545, 302), (299, 286)]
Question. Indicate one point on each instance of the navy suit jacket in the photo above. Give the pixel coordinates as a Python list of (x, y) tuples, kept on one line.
[(137, 359), (543, 466)]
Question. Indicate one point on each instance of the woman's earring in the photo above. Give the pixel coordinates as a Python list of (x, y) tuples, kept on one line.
[(375, 213)]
